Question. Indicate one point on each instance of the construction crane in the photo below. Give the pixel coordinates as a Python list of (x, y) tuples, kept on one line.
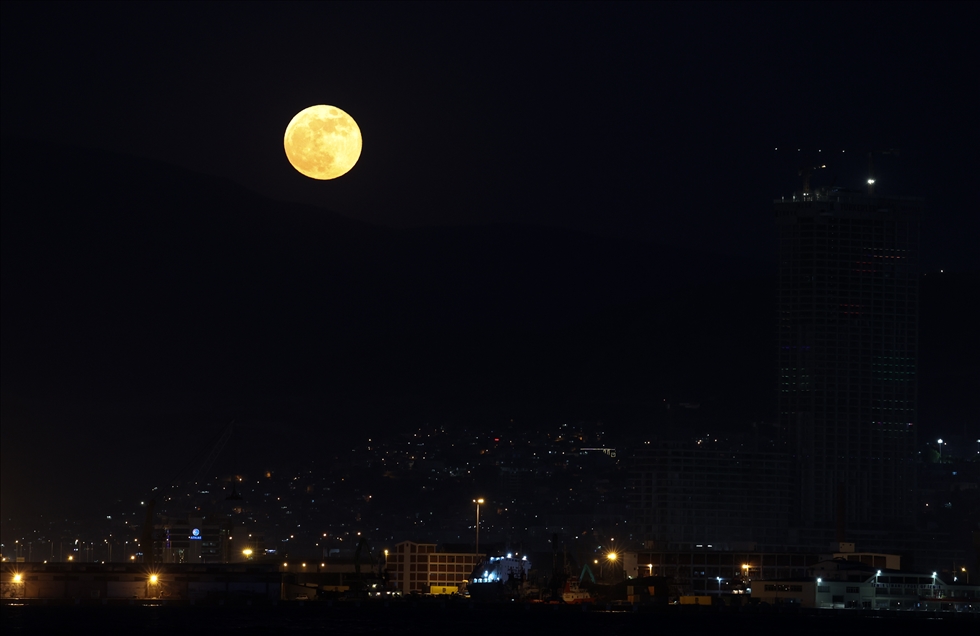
[(806, 173), (357, 555), (586, 570), (146, 537)]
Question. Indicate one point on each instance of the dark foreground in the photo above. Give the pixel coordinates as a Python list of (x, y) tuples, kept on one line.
[(462, 619)]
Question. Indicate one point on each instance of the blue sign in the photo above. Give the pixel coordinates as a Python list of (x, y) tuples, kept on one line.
[(195, 534)]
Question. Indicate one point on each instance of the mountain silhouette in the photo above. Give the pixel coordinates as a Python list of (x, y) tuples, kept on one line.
[(126, 276)]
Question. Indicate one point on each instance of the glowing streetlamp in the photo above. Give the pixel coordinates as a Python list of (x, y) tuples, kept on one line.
[(940, 441), (611, 558), (154, 590), (478, 502)]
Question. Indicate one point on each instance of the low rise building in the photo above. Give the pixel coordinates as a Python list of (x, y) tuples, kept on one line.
[(843, 584), (419, 567)]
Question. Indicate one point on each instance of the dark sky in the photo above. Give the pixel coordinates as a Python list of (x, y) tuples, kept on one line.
[(656, 121)]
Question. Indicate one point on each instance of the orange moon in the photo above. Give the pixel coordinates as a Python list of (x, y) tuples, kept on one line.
[(322, 142)]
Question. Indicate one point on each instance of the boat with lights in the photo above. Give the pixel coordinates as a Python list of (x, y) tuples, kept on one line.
[(499, 577), (572, 594)]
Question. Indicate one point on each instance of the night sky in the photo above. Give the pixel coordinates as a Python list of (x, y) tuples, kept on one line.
[(670, 126), (656, 121)]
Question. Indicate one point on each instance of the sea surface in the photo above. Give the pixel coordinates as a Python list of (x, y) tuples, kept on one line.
[(460, 619)]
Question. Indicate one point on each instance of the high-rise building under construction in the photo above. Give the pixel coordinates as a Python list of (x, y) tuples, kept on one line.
[(848, 322)]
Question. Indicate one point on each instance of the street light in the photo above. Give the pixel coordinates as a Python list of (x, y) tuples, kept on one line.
[(611, 557), (20, 585), (940, 450), (478, 502), (154, 590), (718, 578)]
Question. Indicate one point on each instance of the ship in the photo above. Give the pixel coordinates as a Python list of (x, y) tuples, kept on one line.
[(572, 594), (499, 578)]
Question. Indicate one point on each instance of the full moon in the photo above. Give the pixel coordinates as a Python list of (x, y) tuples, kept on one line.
[(322, 142)]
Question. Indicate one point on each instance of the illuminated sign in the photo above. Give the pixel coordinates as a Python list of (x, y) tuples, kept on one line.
[(195, 534)]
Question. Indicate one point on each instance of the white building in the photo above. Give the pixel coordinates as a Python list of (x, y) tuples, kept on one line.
[(842, 584)]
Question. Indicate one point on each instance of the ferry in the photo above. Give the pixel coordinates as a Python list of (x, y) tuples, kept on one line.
[(499, 577)]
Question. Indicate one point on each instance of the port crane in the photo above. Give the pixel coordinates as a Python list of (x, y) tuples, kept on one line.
[(203, 468)]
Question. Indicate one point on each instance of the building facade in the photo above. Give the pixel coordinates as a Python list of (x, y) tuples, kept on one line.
[(420, 567), (714, 572), (847, 337), (193, 540), (698, 494), (848, 584)]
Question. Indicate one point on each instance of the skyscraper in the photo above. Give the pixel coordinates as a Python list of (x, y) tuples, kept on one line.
[(848, 322)]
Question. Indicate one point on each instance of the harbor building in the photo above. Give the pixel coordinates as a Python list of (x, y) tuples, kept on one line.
[(420, 567)]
